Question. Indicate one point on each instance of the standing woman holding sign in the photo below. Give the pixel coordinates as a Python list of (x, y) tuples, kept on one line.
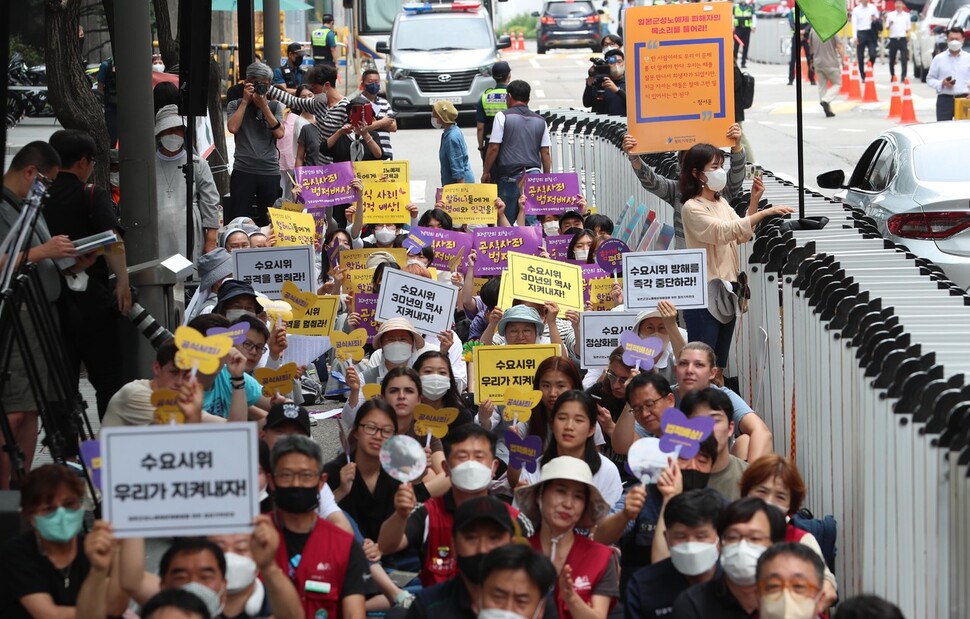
[(710, 223)]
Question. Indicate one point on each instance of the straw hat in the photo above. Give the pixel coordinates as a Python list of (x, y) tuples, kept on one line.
[(573, 469), (398, 324)]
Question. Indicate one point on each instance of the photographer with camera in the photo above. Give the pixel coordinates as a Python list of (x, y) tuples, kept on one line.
[(606, 85), (257, 123)]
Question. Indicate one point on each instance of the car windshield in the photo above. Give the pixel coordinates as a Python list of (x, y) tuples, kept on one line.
[(442, 34), (570, 9), (935, 162), (946, 8)]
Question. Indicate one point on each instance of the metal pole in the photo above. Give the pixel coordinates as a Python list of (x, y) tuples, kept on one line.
[(798, 112), (246, 33), (271, 33), (4, 60)]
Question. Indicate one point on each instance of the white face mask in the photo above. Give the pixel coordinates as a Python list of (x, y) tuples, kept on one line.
[(435, 385), (240, 572), (693, 558), (551, 228), (740, 561), (471, 476), (114, 178), (436, 123), (384, 235), (397, 352), (211, 599), (172, 142), (498, 613), (158, 67), (716, 179), (581, 254), (235, 314), (786, 606), (954, 45)]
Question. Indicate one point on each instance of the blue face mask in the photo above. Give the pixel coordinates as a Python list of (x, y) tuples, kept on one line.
[(61, 525), (372, 88)]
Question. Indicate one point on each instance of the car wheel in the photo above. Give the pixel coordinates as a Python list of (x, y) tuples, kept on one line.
[(922, 73), (540, 49), (917, 70)]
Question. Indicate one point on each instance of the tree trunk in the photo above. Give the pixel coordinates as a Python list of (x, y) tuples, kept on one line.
[(168, 45), (217, 118), (69, 91)]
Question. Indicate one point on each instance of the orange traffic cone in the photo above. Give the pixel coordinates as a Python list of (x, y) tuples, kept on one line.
[(804, 68), (844, 89), (521, 40), (870, 94), (855, 92), (895, 102), (909, 114)]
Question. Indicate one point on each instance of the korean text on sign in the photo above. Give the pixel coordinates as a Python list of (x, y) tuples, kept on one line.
[(493, 246), (393, 171), (268, 268), (425, 303), (679, 276), (599, 335), (326, 185), (292, 229), (540, 280), (550, 194), (385, 203), (499, 367), (162, 481), (470, 203)]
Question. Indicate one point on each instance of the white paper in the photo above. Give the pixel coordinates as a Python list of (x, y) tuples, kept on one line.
[(428, 305), (599, 335), (678, 276), (303, 349), (268, 268), (330, 414)]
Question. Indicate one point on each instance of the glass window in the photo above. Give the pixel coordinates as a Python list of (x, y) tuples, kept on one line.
[(937, 162), (568, 9), (883, 168), (946, 8), (860, 175), (443, 33)]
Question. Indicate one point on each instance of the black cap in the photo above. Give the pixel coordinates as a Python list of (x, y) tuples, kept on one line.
[(562, 218), (232, 288), (288, 411), (501, 70), (293, 48), (327, 18), (483, 508)]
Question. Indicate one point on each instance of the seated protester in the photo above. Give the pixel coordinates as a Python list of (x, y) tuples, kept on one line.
[(337, 237), (315, 551), (728, 469), (567, 496), (478, 307), (173, 603), (262, 347), (423, 258), (245, 592), (777, 481), (401, 388), (382, 235), (438, 388), (265, 470), (581, 247), (648, 395), (572, 426), (427, 528), (867, 607), (480, 525), (214, 267), (747, 528), (516, 579), (571, 222), (610, 396), (43, 568), (289, 419), (525, 323), (436, 218), (230, 392), (790, 578), (198, 565), (235, 238), (691, 533), (259, 239), (636, 525), (601, 225)]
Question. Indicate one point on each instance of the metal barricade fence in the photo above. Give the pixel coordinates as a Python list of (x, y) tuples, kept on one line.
[(854, 351)]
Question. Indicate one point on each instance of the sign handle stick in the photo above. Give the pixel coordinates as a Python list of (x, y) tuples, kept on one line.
[(195, 369), (427, 442), (515, 420), (638, 365), (615, 281)]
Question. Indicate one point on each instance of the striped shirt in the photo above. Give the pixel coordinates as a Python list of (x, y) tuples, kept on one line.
[(382, 108), (329, 119)]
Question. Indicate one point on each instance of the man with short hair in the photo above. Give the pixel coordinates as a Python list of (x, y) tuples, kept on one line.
[(491, 103), (384, 123), (790, 578), (727, 470), (516, 578), (864, 36), (949, 74), (827, 60), (691, 533), (290, 75), (256, 122), (898, 24), (518, 145), (323, 41), (613, 98), (746, 529), (427, 528)]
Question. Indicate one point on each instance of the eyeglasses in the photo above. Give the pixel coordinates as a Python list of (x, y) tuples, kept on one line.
[(614, 60), (613, 378), (371, 429), (733, 538), (249, 346), (771, 587), (647, 405), (74, 503), (306, 477)]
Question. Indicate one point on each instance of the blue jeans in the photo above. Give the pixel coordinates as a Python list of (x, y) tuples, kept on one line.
[(703, 327), (508, 191)]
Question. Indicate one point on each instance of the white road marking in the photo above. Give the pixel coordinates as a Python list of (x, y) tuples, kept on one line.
[(540, 94), (535, 63)]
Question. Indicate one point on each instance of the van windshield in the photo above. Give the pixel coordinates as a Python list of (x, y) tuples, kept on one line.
[(946, 8), (443, 34)]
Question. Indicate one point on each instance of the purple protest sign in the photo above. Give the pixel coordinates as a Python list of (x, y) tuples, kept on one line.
[(591, 272), (416, 241), (237, 332), (687, 434), (327, 185), (320, 222), (558, 246), (333, 255), (609, 255), (91, 456), (550, 194), (493, 245), (523, 452), (640, 352), (437, 194), (366, 306), (451, 248)]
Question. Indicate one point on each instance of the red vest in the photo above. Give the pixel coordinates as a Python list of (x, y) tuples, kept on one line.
[(588, 561), (439, 560), (794, 534), (323, 564)]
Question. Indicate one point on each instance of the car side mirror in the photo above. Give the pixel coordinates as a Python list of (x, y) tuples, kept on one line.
[(834, 179), (601, 11), (504, 42), (382, 47), (535, 13)]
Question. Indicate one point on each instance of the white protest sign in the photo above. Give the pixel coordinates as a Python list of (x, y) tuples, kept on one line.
[(168, 481), (428, 305), (267, 268), (599, 335), (678, 276)]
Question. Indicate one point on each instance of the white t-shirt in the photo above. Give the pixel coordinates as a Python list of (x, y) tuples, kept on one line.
[(862, 17)]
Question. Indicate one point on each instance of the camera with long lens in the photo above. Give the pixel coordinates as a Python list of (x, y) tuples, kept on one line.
[(600, 71), (260, 89), (146, 324)]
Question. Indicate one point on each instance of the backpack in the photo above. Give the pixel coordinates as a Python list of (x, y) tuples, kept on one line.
[(825, 531), (747, 91)]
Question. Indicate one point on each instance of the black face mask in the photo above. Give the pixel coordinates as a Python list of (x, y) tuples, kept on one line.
[(296, 499), (471, 568), (695, 480)]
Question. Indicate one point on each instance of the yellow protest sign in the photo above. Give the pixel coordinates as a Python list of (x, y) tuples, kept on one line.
[(312, 314), (277, 381), (198, 352), (601, 292), (359, 281), (394, 171), (470, 203), (167, 411), (478, 282), (535, 279), (293, 207), (277, 310), (680, 75), (292, 229), (371, 390), (499, 367), (349, 346), (385, 203), (428, 420), (519, 403), (357, 258)]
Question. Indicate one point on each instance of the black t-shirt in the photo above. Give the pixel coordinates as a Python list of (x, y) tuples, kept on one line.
[(357, 566), (450, 600), (653, 590), (615, 406), (25, 571), (710, 599)]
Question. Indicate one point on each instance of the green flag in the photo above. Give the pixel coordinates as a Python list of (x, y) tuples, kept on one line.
[(826, 16)]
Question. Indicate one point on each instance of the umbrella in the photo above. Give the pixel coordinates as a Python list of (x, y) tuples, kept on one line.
[(285, 5)]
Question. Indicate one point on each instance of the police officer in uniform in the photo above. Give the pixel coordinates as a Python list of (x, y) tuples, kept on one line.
[(804, 30), (290, 75), (491, 103), (744, 25), (324, 42)]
